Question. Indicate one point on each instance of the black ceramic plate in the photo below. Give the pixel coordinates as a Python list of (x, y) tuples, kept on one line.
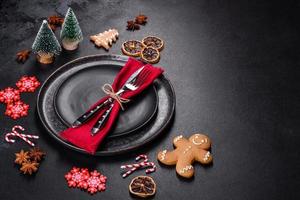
[(83, 88), (56, 82)]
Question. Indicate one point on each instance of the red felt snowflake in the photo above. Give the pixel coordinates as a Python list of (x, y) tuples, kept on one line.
[(9, 95), (17, 109), (77, 177), (96, 182), (28, 84), (83, 179)]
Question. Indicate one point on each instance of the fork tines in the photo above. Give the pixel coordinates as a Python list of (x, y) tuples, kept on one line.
[(142, 77)]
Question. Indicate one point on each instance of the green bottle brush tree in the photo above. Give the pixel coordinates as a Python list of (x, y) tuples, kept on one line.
[(45, 44), (70, 33)]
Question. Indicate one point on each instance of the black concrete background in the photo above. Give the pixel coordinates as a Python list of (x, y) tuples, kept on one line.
[(235, 70)]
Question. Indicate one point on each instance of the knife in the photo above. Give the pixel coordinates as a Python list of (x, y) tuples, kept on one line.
[(89, 114), (102, 120)]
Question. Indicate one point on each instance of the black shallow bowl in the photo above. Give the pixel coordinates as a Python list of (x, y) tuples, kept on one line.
[(83, 88), (110, 146)]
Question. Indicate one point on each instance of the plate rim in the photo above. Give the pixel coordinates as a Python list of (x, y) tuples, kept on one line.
[(111, 152), (118, 135)]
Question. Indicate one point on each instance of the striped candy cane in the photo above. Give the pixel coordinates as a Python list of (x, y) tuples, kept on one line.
[(150, 164), (129, 172), (131, 166), (22, 136), (145, 157), (135, 166)]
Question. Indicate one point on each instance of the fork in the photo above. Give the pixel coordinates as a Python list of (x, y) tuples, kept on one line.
[(131, 86)]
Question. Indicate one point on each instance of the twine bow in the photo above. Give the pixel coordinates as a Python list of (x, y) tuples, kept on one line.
[(107, 89)]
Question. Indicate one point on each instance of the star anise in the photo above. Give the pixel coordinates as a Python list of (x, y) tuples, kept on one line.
[(131, 25), (56, 20), (53, 27), (36, 154), (141, 19), (21, 157), (22, 56), (29, 167)]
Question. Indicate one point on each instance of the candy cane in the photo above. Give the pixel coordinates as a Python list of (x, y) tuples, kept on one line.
[(149, 164), (153, 169), (130, 166), (145, 157), (136, 166), (129, 172), (22, 136)]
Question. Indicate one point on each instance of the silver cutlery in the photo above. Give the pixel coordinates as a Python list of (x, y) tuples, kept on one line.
[(89, 114), (130, 86)]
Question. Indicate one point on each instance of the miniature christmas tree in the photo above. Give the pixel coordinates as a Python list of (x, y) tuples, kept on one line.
[(70, 33), (45, 44)]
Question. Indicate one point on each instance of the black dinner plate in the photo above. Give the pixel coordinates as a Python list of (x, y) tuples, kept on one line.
[(55, 120), (83, 88)]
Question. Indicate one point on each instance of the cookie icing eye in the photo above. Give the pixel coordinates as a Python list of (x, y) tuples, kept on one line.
[(196, 141)]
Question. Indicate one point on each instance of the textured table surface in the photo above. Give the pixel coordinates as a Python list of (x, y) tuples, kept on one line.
[(235, 70)]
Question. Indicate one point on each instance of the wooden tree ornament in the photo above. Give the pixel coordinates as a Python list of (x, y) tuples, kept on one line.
[(105, 39)]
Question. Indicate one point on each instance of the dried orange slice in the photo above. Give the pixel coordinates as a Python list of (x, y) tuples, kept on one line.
[(155, 42), (142, 186), (132, 48), (150, 55)]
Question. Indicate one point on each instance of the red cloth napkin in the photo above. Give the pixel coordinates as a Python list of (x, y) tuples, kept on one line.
[(81, 136)]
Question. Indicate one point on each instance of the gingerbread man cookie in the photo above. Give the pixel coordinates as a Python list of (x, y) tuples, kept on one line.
[(187, 151)]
